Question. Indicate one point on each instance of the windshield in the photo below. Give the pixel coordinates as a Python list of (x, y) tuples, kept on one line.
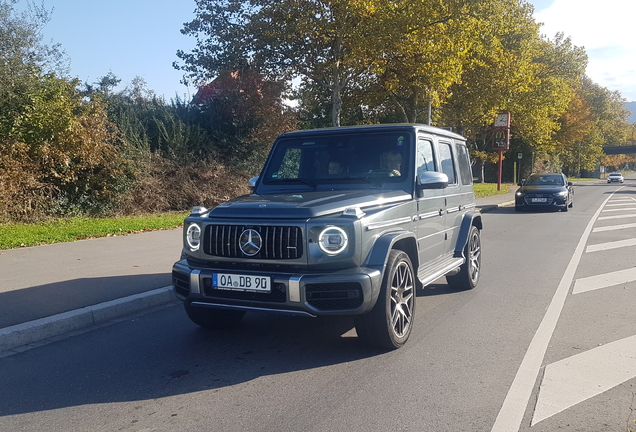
[(364, 158), (544, 180)]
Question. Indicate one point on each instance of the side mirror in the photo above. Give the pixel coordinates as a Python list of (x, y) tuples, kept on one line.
[(569, 183), (432, 180), (251, 183)]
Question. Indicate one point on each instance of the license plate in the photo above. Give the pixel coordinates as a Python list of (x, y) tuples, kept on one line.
[(539, 200), (241, 282)]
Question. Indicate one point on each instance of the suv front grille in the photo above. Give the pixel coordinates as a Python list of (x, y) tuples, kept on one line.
[(278, 242)]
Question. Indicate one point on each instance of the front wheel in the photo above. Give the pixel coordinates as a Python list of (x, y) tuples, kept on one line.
[(213, 318), (469, 272), (389, 323)]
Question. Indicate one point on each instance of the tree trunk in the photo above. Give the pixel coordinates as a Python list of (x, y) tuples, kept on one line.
[(337, 104), (412, 106)]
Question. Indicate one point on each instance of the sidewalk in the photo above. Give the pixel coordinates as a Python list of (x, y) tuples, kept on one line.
[(51, 290), (492, 202)]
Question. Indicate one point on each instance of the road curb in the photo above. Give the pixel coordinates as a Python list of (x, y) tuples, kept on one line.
[(44, 328), (488, 208)]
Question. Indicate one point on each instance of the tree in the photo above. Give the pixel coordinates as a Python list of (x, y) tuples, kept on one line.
[(318, 41), (59, 152)]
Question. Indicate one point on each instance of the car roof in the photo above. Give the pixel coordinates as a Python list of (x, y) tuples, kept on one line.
[(376, 128)]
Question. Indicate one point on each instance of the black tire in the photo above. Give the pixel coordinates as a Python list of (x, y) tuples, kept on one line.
[(389, 324), (565, 208), (571, 203), (469, 272), (213, 318)]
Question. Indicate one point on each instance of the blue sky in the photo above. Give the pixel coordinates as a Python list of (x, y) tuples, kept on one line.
[(140, 38)]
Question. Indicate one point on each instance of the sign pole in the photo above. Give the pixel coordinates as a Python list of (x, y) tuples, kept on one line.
[(500, 166)]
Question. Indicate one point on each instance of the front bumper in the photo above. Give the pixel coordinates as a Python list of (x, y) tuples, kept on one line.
[(343, 292), (526, 201)]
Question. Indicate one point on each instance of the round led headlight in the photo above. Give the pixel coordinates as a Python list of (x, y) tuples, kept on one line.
[(333, 240), (193, 237)]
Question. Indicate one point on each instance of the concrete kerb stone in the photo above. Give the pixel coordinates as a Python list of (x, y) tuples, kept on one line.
[(488, 208), (44, 328)]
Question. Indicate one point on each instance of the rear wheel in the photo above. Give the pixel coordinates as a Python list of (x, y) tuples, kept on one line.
[(469, 272), (389, 323), (213, 318)]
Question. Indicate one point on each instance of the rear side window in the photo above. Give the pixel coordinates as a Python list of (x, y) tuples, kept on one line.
[(446, 160), (465, 171)]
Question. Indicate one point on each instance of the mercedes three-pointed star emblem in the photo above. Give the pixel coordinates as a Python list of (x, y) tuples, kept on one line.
[(250, 242)]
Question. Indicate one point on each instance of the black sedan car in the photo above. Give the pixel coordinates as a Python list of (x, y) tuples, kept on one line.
[(545, 191)]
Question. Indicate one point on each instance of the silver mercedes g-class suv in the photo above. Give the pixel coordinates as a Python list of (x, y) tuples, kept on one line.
[(341, 221)]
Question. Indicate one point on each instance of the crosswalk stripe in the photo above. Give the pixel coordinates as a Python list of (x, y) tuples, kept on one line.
[(617, 216), (621, 209), (604, 280), (614, 227), (611, 245), (585, 375)]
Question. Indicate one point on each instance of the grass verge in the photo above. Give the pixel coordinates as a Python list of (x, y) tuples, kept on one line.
[(488, 189), (67, 230)]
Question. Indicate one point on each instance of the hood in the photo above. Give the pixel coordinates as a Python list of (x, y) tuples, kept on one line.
[(304, 205), (542, 189)]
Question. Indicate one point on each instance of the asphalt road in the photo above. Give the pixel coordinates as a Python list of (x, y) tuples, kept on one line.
[(544, 343)]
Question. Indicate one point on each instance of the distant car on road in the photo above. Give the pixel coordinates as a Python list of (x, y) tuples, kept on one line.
[(545, 191), (615, 178)]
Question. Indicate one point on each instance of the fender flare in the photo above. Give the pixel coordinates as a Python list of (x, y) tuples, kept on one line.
[(379, 254), (469, 220)]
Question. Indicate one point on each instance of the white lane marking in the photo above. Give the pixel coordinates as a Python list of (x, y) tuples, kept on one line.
[(580, 377), (620, 204), (620, 209), (604, 280), (514, 406), (614, 227), (616, 217), (611, 245)]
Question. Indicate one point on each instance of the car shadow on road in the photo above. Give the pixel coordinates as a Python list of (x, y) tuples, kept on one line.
[(163, 354)]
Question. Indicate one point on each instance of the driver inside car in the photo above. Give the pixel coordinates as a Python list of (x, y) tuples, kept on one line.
[(391, 161)]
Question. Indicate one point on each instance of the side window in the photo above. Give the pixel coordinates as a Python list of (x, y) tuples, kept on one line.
[(465, 172), (446, 160), (425, 158)]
